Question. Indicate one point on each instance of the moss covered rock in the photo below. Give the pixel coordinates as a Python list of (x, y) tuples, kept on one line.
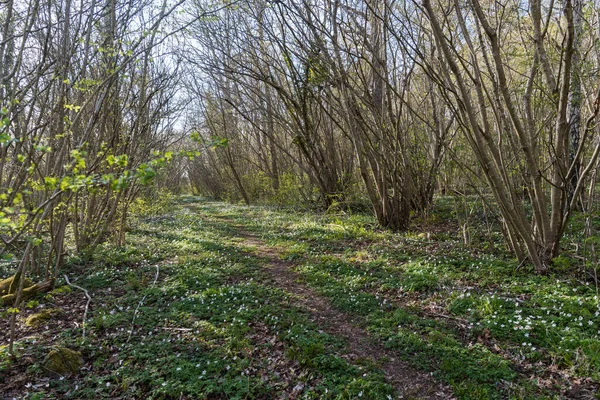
[(63, 361), (42, 317)]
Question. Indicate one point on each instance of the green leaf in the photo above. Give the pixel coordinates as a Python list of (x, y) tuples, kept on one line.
[(145, 173), (51, 182), (217, 141)]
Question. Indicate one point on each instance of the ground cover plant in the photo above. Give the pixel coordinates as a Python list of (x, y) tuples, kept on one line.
[(188, 309), (473, 318), (183, 311)]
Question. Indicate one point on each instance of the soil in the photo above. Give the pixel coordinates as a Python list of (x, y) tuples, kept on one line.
[(409, 382)]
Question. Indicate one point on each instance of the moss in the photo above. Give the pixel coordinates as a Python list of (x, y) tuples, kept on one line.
[(61, 290), (38, 319), (63, 361), (28, 292), (10, 285)]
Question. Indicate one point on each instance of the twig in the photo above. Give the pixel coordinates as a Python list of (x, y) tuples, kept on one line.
[(523, 262), (87, 305), (139, 305), (462, 321), (177, 329)]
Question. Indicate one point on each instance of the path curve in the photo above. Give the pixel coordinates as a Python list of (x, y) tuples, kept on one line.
[(409, 382)]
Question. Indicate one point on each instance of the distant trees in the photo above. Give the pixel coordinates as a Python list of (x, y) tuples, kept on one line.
[(365, 98), (328, 88), (386, 107), (266, 82)]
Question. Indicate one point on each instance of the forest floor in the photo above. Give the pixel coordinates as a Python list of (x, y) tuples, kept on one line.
[(219, 301)]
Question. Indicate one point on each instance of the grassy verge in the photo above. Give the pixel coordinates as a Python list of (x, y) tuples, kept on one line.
[(471, 317), (185, 310), (207, 325)]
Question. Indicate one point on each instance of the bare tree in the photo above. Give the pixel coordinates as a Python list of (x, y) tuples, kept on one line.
[(513, 110)]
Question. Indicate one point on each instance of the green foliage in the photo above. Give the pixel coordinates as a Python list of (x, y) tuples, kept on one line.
[(5, 138), (154, 203), (214, 141), (214, 325), (493, 313), (211, 325), (289, 191)]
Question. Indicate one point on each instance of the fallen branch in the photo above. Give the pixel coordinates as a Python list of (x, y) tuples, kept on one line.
[(140, 304), (177, 329), (10, 285), (87, 305), (28, 292), (461, 321)]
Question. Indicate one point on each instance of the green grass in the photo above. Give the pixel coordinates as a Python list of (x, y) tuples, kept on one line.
[(210, 327), (214, 326), (471, 318)]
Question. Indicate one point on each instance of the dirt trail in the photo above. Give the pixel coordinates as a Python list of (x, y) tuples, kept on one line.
[(409, 382)]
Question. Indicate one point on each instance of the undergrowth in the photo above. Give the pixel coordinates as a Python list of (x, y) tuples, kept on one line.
[(474, 318), (186, 310)]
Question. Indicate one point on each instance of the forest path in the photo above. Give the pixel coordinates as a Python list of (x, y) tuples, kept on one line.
[(409, 382)]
